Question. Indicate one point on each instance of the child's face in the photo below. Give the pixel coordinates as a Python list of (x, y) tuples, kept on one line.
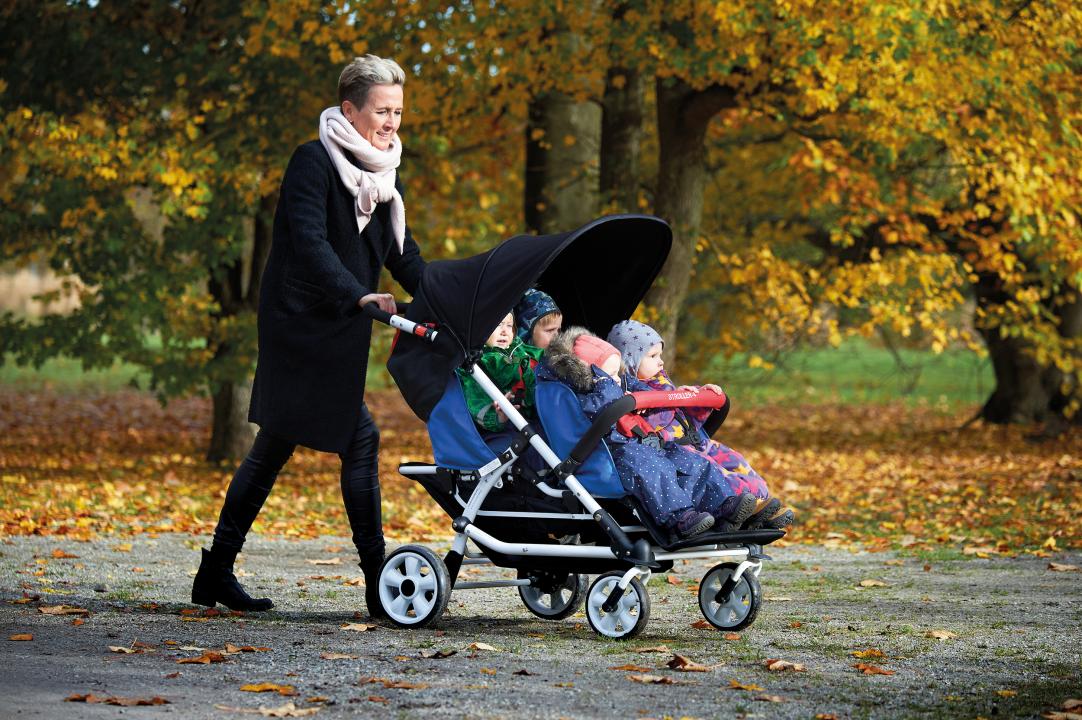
[(651, 363), (503, 334), (545, 329), (611, 367)]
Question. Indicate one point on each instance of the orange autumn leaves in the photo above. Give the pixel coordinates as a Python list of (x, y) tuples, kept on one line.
[(875, 476)]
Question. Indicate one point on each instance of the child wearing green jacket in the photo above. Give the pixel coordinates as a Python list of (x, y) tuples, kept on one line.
[(509, 363)]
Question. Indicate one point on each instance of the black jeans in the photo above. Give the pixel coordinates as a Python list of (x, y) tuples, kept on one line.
[(255, 477)]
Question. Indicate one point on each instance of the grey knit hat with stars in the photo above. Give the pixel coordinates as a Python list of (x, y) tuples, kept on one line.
[(633, 339)]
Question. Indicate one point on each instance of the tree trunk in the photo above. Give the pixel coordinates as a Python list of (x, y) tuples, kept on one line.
[(237, 292), (621, 136), (683, 115), (562, 141), (1027, 391)]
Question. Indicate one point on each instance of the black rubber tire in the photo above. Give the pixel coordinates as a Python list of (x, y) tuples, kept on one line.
[(576, 583), (746, 598), (419, 593), (597, 618)]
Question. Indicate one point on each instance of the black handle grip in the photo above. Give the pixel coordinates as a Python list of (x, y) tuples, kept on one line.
[(373, 311)]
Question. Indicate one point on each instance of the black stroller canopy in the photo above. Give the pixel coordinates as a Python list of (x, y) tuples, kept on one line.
[(597, 274)]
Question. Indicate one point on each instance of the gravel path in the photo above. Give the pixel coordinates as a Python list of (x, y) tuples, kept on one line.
[(1013, 644)]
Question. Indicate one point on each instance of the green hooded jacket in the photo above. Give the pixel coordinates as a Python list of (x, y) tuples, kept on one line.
[(511, 369)]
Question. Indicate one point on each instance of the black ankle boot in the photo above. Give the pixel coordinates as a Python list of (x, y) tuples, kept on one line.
[(216, 583), (370, 566)]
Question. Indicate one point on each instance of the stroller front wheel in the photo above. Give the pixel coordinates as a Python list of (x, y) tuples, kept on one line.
[(414, 586), (552, 600), (631, 614), (736, 609)]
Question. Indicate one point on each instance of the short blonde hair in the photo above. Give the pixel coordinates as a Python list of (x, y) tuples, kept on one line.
[(359, 76)]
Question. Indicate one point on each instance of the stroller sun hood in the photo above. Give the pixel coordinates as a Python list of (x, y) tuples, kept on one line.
[(597, 274)]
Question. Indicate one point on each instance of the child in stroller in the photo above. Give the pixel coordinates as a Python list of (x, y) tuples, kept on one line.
[(643, 369), (503, 512), (680, 491)]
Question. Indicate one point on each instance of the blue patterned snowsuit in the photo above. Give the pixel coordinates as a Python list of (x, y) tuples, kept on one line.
[(666, 481)]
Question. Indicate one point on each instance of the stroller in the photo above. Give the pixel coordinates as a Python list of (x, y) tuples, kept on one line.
[(544, 500)]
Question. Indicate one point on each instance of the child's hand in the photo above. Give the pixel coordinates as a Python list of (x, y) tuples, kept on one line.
[(499, 414), (715, 388)]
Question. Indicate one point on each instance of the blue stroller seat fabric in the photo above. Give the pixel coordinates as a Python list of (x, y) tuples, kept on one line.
[(564, 423), (456, 442)]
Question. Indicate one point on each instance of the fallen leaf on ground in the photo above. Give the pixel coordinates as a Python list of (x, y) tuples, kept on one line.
[(686, 664), (359, 627), (796, 624), (652, 679), (62, 555), (114, 700), (287, 690), (981, 551), (206, 658), (122, 547), (378, 699), (288, 710), (654, 649), (702, 625), (826, 716), (317, 699), (869, 669), (672, 580), (403, 685), (564, 684), (337, 656), (869, 653), (731, 636), (737, 685), (630, 668), (940, 634), (488, 671), (63, 610), (770, 698), (437, 654), (78, 621), (1062, 567), (21, 637), (780, 665), (1006, 693), (482, 646), (871, 582), (231, 649), (124, 650), (331, 561)]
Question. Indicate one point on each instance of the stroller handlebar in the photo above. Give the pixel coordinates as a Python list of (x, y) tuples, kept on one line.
[(398, 322), (678, 398)]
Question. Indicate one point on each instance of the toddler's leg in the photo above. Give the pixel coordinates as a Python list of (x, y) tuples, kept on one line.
[(739, 474), (652, 479)]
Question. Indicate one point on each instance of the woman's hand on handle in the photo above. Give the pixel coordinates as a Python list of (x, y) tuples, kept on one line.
[(384, 301)]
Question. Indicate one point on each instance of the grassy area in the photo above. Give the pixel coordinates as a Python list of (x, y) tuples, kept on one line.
[(858, 372), (67, 374)]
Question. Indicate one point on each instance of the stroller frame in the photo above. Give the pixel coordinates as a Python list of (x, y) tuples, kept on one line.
[(415, 583)]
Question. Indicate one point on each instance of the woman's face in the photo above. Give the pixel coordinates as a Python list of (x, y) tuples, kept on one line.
[(379, 119), (545, 329), (651, 363), (503, 334)]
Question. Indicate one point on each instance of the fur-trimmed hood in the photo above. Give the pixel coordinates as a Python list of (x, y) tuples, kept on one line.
[(560, 361)]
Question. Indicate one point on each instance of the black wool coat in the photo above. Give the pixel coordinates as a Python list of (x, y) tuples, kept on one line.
[(313, 339)]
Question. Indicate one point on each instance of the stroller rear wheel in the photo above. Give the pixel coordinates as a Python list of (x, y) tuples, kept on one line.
[(554, 598), (631, 613), (414, 586), (726, 605)]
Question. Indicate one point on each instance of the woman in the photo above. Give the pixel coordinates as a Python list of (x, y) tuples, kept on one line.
[(340, 218)]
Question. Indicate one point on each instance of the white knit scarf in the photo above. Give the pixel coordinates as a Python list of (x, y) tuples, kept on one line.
[(374, 181)]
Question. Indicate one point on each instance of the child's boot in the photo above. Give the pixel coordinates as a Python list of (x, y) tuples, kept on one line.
[(693, 522), (780, 520), (765, 509), (216, 583), (735, 510)]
